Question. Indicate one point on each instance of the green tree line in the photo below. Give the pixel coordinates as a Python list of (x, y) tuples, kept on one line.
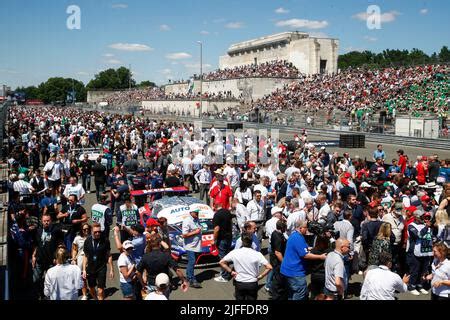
[(57, 88), (391, 58)]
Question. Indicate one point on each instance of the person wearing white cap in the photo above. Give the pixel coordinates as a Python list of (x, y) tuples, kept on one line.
[(127, 271), (162, 282), (24, 188), (271, 226)]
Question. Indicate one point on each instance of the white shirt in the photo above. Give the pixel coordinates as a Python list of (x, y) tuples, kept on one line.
[(124, 261), (381, 284), (255, 210), (23, 187), (203, 176), (271, 226), (324, 210), (232, 176), (246, 263), (56, 170), (62, 282), (187, 165), (155, 296), (293, 217), (263, 190), (241, 196), (242, 215), (306, 194), (441, 272), (76, 190)]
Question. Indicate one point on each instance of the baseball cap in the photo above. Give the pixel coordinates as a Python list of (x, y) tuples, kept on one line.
[(162, 280), (418, 213), (411, 209), (425, 198), (322, 148), (152, 222), (365, 185), (276, 209), (347, 175), (197, 210), (127, 244)]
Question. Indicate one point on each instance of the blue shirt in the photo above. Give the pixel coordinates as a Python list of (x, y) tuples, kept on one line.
[(47, 202), (379, 154), (139, 247), (293, 264)]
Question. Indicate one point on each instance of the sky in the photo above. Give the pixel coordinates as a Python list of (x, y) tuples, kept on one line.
[(159, 39)]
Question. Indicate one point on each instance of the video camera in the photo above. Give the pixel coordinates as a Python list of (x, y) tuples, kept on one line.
[(322, 229)]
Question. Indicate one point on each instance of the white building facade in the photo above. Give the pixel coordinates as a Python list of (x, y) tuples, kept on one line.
[(310, 55)]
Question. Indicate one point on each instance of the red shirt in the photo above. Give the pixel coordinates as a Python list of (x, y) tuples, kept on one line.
[(402, 163), (221, 196), (422, 171)]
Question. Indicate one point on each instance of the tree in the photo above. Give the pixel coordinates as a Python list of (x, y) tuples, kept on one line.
[(146, 83), (56, 89), (31, 92), (112, 79), (444, 55)]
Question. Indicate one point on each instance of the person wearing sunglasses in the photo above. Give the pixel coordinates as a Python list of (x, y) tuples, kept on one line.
[(78, 253), (97, 254)]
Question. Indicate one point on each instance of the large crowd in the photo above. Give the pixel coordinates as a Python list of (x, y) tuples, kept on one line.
[(327, 215), (136, 96), (404, 89), (271, 69)]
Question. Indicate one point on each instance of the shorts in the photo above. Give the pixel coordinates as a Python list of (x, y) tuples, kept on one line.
[(127, 289), (97, 279), (54, 184)]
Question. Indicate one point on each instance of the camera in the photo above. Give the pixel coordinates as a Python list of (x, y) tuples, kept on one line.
[(321, 229)]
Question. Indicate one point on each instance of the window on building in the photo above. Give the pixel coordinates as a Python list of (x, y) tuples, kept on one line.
[(323, 66)]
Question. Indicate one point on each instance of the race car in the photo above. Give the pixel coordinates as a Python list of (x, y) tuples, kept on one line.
[(177, 208)]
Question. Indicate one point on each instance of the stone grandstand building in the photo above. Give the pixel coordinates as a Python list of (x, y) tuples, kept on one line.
[(311, 55)]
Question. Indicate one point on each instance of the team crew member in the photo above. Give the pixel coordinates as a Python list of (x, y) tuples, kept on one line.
[(97, 254), (128, 216), (73, 216), (246, 264)]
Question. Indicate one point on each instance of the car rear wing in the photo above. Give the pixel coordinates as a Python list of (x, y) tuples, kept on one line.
[(135, 193)]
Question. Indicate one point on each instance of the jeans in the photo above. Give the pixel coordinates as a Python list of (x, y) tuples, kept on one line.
[(191, 255), (99, 189), (68, 240), (224, 247), (418, 266), (297, 288), (86, 181)]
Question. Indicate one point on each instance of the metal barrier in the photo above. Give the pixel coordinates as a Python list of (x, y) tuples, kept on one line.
[(4, 219)]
